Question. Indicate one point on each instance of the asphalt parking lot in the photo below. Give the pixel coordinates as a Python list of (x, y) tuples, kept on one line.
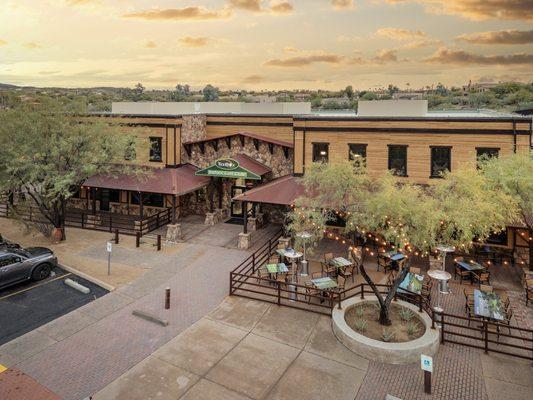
[(27, 306)]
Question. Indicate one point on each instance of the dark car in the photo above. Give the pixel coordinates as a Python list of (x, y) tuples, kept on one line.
[(18, 264)]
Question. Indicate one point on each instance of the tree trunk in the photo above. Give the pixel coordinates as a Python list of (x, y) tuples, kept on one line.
[(530, 251), (384, 315)]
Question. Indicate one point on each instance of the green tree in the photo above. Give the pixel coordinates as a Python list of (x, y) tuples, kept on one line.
[(47, 154), (513, 175), (348, 91), (210, 93), (181, 93), (369, 96), (391, 89), (458, 209)]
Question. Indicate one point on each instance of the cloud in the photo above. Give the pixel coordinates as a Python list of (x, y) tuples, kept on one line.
[(2, 42), (385, 56), (49, 72), (418, 44), (189, 41), (498, 37), (33, 46), (150, 44), (303, 61), (255, 6), (478, 9), (461, 57), (342, 4), (400, 33), (185, 13), (290, 49), (253, 79)]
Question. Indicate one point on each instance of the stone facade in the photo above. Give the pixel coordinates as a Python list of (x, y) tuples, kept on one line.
[(521, 256), (193, 128)]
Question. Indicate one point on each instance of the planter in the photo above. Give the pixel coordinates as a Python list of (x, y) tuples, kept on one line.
[(392, 353)]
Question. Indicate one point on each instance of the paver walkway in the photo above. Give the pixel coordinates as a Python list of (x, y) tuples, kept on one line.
[(107, 340)]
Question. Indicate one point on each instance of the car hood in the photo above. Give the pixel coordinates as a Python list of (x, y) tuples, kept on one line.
[(38, 251)]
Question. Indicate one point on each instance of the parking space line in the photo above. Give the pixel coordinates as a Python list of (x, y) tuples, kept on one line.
[(34, 286)]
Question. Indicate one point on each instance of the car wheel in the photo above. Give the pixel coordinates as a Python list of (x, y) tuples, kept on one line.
[(41, 272)]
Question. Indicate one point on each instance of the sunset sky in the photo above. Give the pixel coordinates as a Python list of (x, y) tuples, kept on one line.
[(263, 44)]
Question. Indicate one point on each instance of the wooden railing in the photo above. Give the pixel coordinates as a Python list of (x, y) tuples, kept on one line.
[(245, 282), (100, 220)]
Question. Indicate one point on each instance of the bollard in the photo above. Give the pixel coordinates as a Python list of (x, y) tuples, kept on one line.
[(158, 242), (137, 239), (116, 236), (167, 298)]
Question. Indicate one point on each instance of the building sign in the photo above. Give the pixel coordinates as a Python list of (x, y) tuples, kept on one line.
[(227, 168)]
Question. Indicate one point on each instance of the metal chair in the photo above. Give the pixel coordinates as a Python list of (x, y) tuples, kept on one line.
[(482, 277), (486, 288), (463, 274)]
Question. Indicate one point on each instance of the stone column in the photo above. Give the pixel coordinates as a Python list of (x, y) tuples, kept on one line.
[(173, 233), (210, 218), (252, 224), (244, 241)]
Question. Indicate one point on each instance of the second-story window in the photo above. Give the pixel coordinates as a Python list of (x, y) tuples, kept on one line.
[(441, 160), (487, 152), (398, 159), (321, 152), (155, 149), (357, 153)]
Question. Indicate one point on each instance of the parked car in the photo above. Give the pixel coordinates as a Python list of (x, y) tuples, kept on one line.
[(32, 263)]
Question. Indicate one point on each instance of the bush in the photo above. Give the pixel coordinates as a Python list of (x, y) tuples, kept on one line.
[(360, 325), (406, 314), (387, 335), (412, 328)]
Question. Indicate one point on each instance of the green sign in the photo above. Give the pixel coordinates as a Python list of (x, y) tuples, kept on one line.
[(227, 168)]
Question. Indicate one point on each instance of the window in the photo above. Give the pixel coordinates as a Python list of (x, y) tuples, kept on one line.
[(155, 149), (114, 196), (130, 154), (321, 152), (441, 160), (487, 152), (149, 199), (357, 153), (398, 159), (499, 238)]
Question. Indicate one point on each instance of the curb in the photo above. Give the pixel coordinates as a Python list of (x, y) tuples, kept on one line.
[(83, 275)]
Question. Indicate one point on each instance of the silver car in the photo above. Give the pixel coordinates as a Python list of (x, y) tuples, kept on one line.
[(18, 265)]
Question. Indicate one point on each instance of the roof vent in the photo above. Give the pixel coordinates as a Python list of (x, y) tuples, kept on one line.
[(392, 108)]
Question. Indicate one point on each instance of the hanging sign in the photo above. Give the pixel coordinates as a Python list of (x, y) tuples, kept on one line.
[(227, 168)]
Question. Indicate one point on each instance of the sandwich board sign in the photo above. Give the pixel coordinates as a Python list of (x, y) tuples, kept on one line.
[(426, 363)]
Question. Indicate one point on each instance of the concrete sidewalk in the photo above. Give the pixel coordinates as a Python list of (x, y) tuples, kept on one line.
[(80, 353)]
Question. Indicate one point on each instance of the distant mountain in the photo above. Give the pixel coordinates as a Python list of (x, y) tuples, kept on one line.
[(8, 86)]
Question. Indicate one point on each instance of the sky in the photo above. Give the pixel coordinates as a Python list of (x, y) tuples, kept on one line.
[(265, 44)]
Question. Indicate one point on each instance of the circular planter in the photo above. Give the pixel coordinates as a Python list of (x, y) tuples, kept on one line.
[(392, 353)]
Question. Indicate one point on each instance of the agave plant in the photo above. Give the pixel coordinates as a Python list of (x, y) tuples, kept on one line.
[(412, 328), (360, 325), (406, 314), (359, 311), (387, 334)]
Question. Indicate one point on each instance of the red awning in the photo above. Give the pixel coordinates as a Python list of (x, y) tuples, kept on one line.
[(252, 165), (284, 191), (174, 181)]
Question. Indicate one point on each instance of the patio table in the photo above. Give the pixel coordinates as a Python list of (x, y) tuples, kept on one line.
[(277, 268), (488, 305), (340, 262), (412, 283), (290, 254), (470, 266), (325, 283)]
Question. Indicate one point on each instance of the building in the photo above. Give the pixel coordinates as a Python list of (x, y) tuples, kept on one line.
[(233, 162)]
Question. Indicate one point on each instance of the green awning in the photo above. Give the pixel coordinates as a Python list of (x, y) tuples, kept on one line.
[(227, 168)]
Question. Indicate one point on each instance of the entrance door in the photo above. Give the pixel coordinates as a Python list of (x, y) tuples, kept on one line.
[(237, 210), (104, 200)]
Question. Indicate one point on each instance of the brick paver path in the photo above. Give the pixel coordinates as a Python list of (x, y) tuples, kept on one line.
[(14, 384), (81, 364)]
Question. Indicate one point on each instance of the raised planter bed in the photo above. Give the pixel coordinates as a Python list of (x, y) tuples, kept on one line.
[(392, 353)]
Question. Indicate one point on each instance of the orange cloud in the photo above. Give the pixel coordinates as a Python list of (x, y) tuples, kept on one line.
[(478, 9), (498, 37), (461, 57), (342, 4), (303, 61), (253, 79), (150, 44), (186, 13), (400, 33), (248, 5), (255, 6), (33, 46), (189, 41), (2, 42), (281, 7), (385, 56)]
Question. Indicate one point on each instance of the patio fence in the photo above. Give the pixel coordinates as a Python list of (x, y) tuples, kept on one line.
[(457, 329), (99, 221)]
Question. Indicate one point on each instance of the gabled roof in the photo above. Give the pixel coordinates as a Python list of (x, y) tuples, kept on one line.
[(252, 165), (284, 191), (174, 181), (245, 134)]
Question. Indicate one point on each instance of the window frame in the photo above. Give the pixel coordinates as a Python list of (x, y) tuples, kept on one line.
[(389, 161), (363, 146), (320, 158), (432, 158), (153, 157)]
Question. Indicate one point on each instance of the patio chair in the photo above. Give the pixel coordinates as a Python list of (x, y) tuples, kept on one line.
[(281, 278), (310, 291), (529, 291), (316, 275), (328, 257), (486, 288), (385, 263), (274, 259), (463, 274), (341, 283), (481, 277), (262, 273), (346, 272), (507, 320), (328, 269), (469, 300), (415, 271)]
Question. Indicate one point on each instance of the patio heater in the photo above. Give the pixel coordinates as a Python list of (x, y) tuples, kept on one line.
[(442, 277), (305, 236), (445, 250)]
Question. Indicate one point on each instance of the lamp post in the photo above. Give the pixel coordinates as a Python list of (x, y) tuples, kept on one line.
[(305, 236), (444, 250), (442, 277)]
